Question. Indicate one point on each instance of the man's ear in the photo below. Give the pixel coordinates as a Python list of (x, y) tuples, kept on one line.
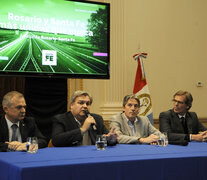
[(71, 104), (123, 108), (5, 108)]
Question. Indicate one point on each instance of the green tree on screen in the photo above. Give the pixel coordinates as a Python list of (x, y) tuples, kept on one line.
[(98, 25)]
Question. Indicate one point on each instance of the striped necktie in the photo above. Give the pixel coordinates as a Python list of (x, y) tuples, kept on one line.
[(14, 132)]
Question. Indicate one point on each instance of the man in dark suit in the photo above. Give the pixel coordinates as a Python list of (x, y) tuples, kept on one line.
[(78, 126), (15, 127), (179, 123)]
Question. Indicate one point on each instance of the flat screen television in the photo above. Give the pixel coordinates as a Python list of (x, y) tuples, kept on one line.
[(55, 38)]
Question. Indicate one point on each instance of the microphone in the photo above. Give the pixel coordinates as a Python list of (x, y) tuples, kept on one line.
[(87, 113), (180, 142)]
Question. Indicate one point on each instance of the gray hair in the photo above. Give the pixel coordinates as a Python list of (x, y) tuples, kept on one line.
[(130, 96), (80, 93), (7, 99), (188, 97)]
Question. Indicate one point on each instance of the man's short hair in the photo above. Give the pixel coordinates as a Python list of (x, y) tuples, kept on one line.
[(130, 96), (7, 99), (80, 93), (188, 97)]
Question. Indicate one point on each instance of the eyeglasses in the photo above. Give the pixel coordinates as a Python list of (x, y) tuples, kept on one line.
[(179, 102)]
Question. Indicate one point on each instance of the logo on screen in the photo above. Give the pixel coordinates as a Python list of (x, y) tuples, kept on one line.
[(49, 57)]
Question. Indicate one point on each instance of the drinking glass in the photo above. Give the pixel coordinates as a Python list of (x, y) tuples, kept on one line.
[(32, 144), (101, 142), (163, 140)]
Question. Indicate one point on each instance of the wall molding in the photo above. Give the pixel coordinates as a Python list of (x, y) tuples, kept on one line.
[(108, 110)]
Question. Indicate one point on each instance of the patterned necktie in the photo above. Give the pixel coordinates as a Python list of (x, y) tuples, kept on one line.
[(14, 132)]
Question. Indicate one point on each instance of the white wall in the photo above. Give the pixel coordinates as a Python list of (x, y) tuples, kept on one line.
[(173, 33)]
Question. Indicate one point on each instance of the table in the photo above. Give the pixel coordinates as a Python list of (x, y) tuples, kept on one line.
[(121, 162)]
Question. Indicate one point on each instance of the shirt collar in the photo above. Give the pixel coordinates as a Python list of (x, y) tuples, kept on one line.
[(9, 123), (78, 122), (128, 121), (181, 116)]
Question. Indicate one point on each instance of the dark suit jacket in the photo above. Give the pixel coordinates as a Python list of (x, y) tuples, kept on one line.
[(28, 128), (66, 131), (169, 122)]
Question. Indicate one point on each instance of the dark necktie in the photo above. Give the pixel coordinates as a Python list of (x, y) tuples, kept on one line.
[(183, 121), (14, 132)]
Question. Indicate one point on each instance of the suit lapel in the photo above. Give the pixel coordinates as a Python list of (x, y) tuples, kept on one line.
[(189, 122), (70, 120), (137, 128), (125, 124), (23, 131), (5, 129), (92, 134), (177, 122)]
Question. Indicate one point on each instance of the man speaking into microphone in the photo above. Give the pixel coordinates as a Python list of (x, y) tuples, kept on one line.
[(79, 126)]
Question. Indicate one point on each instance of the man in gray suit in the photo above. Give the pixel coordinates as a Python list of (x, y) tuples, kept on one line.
[(179, 123), (131, 128)]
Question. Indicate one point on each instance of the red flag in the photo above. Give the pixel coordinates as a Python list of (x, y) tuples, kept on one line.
[(140, 82), (141, 88)]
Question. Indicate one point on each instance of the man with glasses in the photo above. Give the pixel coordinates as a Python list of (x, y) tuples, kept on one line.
[(78, 126), (179, 123)]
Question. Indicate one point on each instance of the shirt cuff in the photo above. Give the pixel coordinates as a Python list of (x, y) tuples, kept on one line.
[(190, 137)]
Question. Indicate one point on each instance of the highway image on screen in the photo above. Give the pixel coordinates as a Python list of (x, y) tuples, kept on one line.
[(70, 42)]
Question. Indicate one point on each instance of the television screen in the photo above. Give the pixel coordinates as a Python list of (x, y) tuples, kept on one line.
[(55, 38)]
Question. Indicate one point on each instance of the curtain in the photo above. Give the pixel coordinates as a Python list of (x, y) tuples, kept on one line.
[(45, 98), (10, 84)]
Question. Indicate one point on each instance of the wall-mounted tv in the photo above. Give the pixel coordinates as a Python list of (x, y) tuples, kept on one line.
[(55, 38)]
